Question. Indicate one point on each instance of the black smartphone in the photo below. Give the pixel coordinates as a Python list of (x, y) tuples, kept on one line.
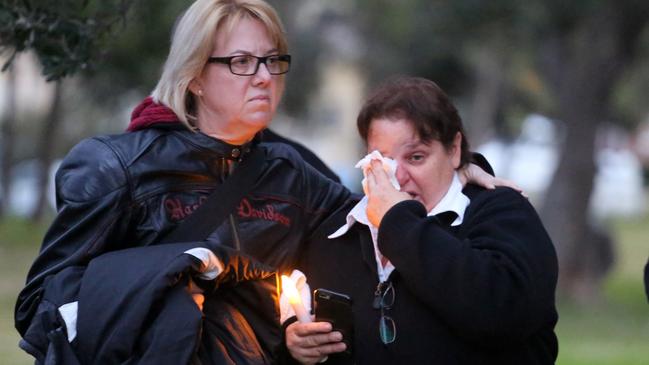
[(335, 308)]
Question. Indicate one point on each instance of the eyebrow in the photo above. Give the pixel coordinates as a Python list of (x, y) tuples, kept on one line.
[(243, 52), (413, 145)]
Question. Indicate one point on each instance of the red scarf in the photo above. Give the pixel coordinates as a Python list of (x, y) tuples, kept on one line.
[(148, 113)]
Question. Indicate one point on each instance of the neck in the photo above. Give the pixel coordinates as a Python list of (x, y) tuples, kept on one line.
[(232, 132), (233, 140)]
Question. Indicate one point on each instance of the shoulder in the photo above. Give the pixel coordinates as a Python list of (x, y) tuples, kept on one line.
[(306, 154), (89, 171), (500, 204), (98, 165), (282, 152), (499, 195)]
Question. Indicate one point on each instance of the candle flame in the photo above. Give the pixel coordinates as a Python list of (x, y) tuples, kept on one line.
[(289, 288)]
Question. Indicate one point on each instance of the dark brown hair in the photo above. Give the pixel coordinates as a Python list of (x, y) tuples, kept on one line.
[(420, 102)]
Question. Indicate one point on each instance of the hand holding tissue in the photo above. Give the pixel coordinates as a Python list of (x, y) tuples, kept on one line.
[(381, 187), (389, 165)]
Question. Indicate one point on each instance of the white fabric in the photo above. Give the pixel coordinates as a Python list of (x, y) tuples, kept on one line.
[(285, 308), (454, 200), (211, 266), (69, 314), (389, 165)]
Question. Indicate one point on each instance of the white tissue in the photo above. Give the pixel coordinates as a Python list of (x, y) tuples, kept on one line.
[(389, 165), (211, 266), (285, 309)]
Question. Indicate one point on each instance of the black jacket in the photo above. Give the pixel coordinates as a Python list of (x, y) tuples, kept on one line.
[(479, 293), (307, 155), (129, 190)]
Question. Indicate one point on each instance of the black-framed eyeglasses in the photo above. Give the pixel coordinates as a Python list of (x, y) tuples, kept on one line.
[(384, 297), (248, 65)]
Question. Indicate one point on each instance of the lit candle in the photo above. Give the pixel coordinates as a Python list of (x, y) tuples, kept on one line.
[(294, 298)]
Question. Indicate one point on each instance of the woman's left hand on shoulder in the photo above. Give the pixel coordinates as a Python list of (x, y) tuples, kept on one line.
[(474, 174)]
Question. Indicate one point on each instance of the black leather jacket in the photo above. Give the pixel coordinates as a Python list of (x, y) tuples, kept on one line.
[(128, 190)]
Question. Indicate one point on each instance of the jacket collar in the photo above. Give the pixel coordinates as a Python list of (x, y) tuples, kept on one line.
[(149, 114)]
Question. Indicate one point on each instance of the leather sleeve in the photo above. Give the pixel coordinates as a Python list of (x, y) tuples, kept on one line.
[(93, 209), (323, 196), (318, 196), (493, 282)]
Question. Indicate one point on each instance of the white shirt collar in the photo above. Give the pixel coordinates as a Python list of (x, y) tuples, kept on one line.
[(454, 200)]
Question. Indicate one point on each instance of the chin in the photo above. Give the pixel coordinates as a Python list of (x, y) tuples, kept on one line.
[(259, 122)]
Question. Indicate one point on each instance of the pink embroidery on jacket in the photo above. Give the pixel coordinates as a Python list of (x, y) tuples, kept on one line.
[(179, 210), (246, 210)]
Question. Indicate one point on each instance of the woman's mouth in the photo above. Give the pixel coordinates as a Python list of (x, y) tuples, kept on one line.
[(260, 98)]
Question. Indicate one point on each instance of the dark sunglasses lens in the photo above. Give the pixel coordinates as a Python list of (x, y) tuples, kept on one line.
[(387, 330)]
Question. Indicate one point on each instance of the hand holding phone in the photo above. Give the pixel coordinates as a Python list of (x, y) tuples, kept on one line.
[(335, 308)]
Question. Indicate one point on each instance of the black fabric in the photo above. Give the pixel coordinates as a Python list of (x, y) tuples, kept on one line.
[(308, 156), (46, 339), (148, 317), (646, 279), (204, 220), (478, 293), (129, 190), (481, 161)]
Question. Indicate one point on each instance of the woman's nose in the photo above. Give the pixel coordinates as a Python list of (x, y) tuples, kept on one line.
[(262, 75), (402, 175)]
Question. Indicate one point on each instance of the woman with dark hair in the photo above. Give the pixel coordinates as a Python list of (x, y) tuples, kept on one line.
[(438, 273)]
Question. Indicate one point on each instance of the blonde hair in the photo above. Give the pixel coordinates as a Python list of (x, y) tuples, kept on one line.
[(192, 42)]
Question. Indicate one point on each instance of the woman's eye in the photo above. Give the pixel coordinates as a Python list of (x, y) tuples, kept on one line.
[(240, 61), (416, 158)]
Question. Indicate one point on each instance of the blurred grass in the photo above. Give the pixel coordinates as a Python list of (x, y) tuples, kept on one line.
[(19, 243), (612, 332), (615, 331)]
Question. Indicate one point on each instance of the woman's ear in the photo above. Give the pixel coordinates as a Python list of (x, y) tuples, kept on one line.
[(196, 88), (456, 150)]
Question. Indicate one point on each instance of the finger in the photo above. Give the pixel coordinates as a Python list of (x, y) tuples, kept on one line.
[(318, 340), (508, 183), (487, 181), (379, 170), (364, 185), (308, 329), (370, 182), (319, 352), (314, 340), (308, 360)]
